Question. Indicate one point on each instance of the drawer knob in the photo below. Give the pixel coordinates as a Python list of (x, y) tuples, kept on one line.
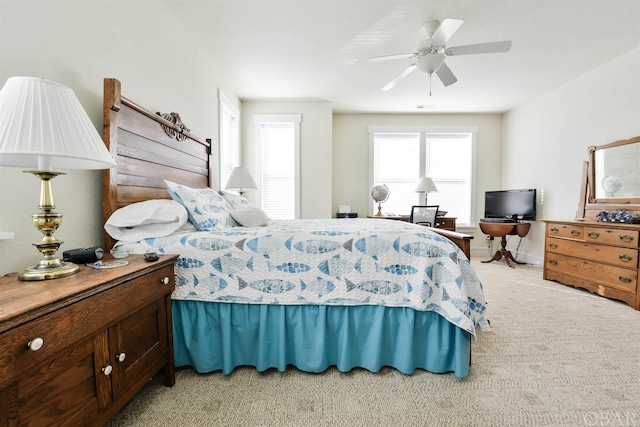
[(626, 238), (625, 257), (107, 370), (575, 232), (553, 262), (553, 245), (35, 344), (593, 234), (164, 281), (624, 279), (121, 357), (554, 230)]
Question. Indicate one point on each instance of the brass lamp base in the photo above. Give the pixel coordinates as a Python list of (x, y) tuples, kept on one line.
[(47, 221), (45, 272)]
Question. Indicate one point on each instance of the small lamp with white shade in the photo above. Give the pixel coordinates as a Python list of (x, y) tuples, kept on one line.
[(241, 180), (44, 129), (426, 185)]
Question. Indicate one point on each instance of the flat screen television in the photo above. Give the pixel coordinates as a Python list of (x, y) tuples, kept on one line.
[(516, 205)]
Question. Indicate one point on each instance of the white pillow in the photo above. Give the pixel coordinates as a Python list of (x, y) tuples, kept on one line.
[(142, 220), (250, 217), (206, 208), (235, 200)]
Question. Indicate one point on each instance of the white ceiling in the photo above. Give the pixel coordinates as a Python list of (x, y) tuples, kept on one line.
[(318, 49)]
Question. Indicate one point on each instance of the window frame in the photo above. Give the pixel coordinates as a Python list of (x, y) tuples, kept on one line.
[(424, 132), (295, 119), (227, 107)]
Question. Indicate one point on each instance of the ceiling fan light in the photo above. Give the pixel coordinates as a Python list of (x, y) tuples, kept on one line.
[(430, 63)]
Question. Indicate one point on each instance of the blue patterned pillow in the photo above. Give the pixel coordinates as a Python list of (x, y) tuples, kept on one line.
[(235, 200), (206, 208)]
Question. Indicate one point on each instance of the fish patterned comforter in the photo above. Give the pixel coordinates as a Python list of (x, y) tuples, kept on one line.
[(331, 262)]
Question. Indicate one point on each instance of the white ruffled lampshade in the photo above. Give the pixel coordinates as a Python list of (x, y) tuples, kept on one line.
[(43, 126)]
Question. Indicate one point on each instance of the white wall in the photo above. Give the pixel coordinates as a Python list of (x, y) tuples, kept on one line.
[(546, 139), (79, 44), (351, 156), (315, 150)]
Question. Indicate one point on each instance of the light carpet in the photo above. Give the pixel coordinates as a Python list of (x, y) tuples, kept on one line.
[(556, 356)]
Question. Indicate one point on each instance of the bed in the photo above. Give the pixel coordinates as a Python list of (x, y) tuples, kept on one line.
[(350, 293)]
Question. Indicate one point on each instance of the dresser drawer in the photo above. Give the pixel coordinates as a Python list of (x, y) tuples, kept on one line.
[(446, 223), (621, 257), (568, 231), (615, 277), (610, 236), (62, 328)]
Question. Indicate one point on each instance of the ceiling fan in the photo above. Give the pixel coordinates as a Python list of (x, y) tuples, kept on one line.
[(432, 52)]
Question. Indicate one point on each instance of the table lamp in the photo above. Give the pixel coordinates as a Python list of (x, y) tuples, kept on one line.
[(240, 180), (426, 185), (44, 128)]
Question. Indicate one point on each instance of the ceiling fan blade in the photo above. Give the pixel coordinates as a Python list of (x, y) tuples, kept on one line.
[(446, 76), (399, 77), (444, 32), (471, 49), (392, 57)]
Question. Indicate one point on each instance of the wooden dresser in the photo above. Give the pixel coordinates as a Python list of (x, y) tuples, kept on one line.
[(599, 257), (74, 350)]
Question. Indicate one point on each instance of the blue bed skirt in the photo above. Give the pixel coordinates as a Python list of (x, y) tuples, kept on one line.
[(222, 336)]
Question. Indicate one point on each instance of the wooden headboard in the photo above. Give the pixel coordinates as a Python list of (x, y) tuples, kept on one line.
[(146, 154)]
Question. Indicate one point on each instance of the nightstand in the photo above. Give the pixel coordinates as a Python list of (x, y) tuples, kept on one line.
[(76, 349)]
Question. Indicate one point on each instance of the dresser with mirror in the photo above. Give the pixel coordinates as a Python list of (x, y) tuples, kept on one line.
[(598, 250)]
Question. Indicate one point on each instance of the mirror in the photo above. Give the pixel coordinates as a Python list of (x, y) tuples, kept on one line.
[(614, 172)]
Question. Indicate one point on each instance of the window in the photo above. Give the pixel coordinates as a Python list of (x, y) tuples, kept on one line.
[(279, 169), (396, 164), (229, 137), (401, 156)]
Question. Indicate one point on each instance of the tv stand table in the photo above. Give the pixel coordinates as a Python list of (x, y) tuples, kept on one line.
[(503, 229)]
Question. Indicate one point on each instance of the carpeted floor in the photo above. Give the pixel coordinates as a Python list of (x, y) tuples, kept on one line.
[(556, 356)]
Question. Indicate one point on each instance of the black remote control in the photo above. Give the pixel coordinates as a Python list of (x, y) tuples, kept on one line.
[(151, 256)]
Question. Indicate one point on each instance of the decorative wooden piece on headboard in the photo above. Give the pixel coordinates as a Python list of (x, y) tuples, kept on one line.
[(177, 131)]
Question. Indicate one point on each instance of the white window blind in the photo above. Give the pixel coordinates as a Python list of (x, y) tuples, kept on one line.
[(396, 164), (229, 138), (279, 140), (400, 159), (448, 161)]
